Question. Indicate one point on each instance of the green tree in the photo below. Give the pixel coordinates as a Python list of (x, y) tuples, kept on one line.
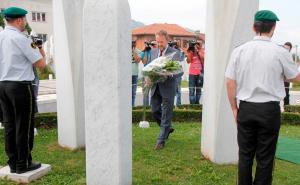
[(28, 29), (2, 23)]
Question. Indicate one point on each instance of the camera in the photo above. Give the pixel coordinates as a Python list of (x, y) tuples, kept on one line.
[(173, 44), (192, 44), (37, 42), (148, 45)]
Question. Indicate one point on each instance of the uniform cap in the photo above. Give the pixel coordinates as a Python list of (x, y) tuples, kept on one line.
[(14, 12), (265, 15)]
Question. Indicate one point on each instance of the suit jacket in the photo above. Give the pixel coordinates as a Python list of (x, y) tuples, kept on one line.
[(166, 88)]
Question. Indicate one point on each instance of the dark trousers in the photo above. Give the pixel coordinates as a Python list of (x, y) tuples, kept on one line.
[(162, 103), (16, 99), (287, 93), (194, 89), (178, 91), (134, 88), (1, 114), (258, 129)]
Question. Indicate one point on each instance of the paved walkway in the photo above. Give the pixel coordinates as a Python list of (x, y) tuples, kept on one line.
[(47, 96)]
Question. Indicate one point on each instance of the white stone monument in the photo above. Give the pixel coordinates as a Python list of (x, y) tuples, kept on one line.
[(107, 89), (67, 17), (229, 24)]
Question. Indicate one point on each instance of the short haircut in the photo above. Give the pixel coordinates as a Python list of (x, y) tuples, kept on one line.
[(289, 44), (9, 19), (163, 33), (263, 26)]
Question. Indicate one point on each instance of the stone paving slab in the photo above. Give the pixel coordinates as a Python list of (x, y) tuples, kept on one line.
[(25, 177), (47, 96)]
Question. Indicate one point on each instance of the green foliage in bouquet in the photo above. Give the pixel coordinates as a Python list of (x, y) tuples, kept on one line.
[(172, 66)]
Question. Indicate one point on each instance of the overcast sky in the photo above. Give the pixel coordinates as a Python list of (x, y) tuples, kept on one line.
[(192, 14)]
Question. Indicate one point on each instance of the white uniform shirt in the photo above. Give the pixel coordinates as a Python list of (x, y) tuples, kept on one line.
[(16, 56), (259, 68)]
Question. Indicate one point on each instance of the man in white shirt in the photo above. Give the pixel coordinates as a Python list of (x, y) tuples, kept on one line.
[(17, 55), (255, 75)]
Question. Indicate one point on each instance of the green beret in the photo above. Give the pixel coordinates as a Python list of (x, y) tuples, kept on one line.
[(265, 15), (14, 12)]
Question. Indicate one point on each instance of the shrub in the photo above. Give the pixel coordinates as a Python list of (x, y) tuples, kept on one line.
[(44, 73), (46, 119), (179, 115), (292, 108)]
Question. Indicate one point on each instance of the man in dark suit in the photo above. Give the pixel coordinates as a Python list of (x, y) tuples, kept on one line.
[(163, 93)]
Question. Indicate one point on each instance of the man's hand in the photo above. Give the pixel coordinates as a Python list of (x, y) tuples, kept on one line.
[(235, 113), (148, 82), (41, 64)]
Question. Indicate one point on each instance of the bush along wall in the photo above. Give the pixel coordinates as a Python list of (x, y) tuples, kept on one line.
[(184, 113)]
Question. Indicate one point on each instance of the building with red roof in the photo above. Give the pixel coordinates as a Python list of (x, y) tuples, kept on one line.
[(176, 32)]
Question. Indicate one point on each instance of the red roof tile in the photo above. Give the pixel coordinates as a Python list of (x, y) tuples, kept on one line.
[(172, 29)]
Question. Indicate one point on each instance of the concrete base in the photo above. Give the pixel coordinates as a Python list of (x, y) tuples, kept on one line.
[(25, 177)]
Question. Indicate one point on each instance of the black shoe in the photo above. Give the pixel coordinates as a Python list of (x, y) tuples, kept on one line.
[(170, 131), (12, 167), (31, 167), (12, 170)]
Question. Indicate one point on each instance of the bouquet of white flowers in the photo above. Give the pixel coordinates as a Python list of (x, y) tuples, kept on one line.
[(160, 69)]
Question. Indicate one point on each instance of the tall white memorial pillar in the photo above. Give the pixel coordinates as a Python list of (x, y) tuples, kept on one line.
[(229, 24), (68, 58), (107, 85)]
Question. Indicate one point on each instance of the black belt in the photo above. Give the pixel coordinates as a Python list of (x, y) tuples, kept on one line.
[(268, 102), (17, 82)]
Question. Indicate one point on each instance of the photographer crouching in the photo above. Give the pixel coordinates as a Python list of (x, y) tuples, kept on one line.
[(18, 54)]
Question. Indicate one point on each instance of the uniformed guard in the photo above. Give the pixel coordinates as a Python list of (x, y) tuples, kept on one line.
[(255, 75), (17, 56)]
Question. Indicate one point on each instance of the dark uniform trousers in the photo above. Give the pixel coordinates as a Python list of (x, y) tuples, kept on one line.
[(16, 99), (286, 99), (258, 129), (1, 114)]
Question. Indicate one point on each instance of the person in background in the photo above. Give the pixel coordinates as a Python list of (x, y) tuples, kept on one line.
[(135, 70), (286, 99), (176, 45), (146, 59), (195, 57)]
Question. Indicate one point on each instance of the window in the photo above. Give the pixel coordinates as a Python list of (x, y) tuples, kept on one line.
[(43, 17), (33, 16), (38, 16)]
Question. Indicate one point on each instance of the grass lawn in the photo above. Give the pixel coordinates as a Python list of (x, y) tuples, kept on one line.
[(179, 163)]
